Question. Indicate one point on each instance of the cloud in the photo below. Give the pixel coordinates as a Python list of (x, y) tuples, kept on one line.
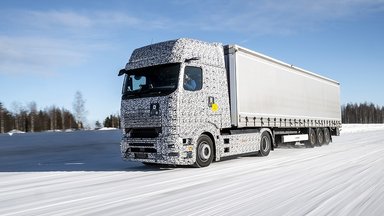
[(36, 55), (258, 16), (42, 41), (84, 21), (54, 18), (283, 16)]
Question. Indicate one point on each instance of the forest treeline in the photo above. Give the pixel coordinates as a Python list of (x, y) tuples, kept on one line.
[(30, 119), (362, 113)]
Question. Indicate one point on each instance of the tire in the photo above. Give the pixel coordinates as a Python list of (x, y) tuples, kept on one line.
[(327, 136), (204, 151), (311, 142), (320, 136), (265, 144)]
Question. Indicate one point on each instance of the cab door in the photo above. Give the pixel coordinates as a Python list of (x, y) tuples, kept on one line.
[(192, 102), (200, 97)]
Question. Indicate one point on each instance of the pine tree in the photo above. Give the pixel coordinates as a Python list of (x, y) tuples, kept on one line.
[(98, 125)]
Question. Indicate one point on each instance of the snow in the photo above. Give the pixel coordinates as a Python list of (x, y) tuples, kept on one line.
[(14, 131), (107, 128), (81, 173), (357, 128)]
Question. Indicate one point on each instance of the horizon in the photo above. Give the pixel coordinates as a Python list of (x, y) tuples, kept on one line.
[(51, 49)]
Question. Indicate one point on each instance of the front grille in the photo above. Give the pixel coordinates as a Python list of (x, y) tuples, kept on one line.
[(145, 132), (143, 150), (142, 117), (142, 144)]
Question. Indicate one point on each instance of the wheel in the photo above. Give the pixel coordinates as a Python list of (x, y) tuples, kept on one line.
[(311, 142), (265, 144), (320, 136), (327, 136), (204, 151)]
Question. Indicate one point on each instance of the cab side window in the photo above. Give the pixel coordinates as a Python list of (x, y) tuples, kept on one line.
[(193, 78)]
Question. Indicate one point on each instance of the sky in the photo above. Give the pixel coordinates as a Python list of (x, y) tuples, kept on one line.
[(49, 49)]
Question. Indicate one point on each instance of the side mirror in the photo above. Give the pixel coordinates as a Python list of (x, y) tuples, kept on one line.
[(122, 72)]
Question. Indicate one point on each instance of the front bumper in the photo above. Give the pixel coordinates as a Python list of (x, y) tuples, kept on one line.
[(162, 150)]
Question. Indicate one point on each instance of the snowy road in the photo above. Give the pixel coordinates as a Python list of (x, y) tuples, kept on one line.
[(81, 174)]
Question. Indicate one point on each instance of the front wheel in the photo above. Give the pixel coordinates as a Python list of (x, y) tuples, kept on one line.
[(265, 144), (204, 151)]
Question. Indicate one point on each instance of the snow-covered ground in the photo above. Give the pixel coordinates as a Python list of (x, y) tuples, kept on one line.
[(358, 128), (80, 173)]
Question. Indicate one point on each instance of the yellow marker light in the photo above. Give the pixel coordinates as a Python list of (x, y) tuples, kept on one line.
[(215, 107)]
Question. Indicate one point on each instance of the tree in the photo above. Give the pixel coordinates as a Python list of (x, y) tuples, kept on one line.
[(107, 122), (112, 121), (79, 109), (16, 108), (97, 125), (363, 113), (2, 120), (32, 114), (30, 119)]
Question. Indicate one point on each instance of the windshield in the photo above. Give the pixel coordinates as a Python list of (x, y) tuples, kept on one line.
[(151, 81)]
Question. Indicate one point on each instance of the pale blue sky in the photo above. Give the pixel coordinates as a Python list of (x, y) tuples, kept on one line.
[(51, 49)]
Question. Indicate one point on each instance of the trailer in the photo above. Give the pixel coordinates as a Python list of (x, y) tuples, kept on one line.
[(189, 102), (265, 92)]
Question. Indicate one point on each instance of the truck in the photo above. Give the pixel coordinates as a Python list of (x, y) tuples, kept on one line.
[(190, 102)]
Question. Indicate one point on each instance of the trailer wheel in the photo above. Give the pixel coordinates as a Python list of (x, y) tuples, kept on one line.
[(265, 144), (311, 142), (204, 151), (320, 136), (327, 136)]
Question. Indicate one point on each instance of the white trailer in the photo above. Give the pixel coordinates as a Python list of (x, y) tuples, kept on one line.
[(265, 92), (240, 101)]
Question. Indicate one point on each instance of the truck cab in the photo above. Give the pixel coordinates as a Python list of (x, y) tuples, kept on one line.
[(174, 94)]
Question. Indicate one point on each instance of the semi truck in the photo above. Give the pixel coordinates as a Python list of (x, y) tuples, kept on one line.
[(189, 102)]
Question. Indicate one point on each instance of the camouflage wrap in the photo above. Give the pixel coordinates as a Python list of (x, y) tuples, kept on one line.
[(183, 115), (177, 51)]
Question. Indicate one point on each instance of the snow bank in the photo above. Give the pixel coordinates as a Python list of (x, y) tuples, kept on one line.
[(356, 128), (14, 131), (108, 128)]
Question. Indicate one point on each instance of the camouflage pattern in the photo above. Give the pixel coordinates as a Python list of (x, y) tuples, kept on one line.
[(184, 115)]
